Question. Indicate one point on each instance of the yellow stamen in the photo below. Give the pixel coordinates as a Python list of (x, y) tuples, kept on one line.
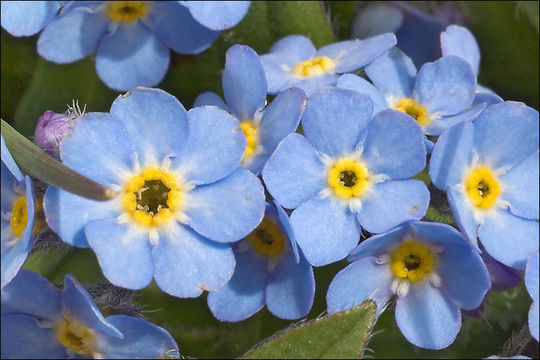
[(412, 260), (127, 11), (417, 111), (250, 131), (268, 239), (348, 178), (314, 67), (482, 188), (19, 216), (74, 335)]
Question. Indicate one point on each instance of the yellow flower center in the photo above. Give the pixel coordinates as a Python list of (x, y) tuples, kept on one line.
[(417, 111), (348, 178), (268, 239), (153, 197), (19, 216), (482, 188), (412, 260), (314, 67), (74, 335), (250, 131), (127, 11)]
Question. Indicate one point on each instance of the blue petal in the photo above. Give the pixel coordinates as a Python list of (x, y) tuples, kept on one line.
[(459, 41), (520, 188), (25, 18), (379, 244), (142, 340), (376, 18), (73, 35), (502, 277), (32, 294), (7, 160), (294, 173), (277, 77), (438, 234), (78, 302), (508, 238), (312, 84), (210, 98), (214, 148), (123, 252), (291, 288), (390, 203), (531, 281), (218, 15), (463, 214), (293, 49), (243, 295), (256, 163), (394, 145), (506, 133), (533, 319), (60, 206), (356, 83), (325, 229), (174, 25), (156, 122), (131, 56), (446, 86), (439, 124), (393, 73), (24, 338), (364, 279), (186, 263), (334, 119), (486, 96), (229, 209), (244, 82), (427, 317), (285, 222)]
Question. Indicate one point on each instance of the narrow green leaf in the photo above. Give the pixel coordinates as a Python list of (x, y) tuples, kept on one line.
[(341, 335), (35, 162)]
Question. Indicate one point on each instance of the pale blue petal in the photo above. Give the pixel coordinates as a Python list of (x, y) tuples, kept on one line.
[(459, 41), (186, 264), (356, 83), (437, 233), (376, 18), (210, 98), (379, 244), (229, 209), (256, 163), (293, 49), (325, 229), (334, 119), (439, 124), (486, 96), (463, 214), (285, 222), (218, 15), (531, 281), (277, 75), (294, 173), (312, 84), (25, 18), (533, 319), (7, 160), (391, 203), (131, 56)]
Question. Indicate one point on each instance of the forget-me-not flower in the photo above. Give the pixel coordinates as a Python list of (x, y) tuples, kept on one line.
[(431, 267), (40, 321), (531, 281), (181, 196), (26, 18), (348, 170)]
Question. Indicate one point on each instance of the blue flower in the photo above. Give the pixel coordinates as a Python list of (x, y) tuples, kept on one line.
[(489, 170), (181, 197), (433, 270), (39, 321), (531, 281), (294, 61), (244, 87), (26, 18), (269, 270), (349, 170)]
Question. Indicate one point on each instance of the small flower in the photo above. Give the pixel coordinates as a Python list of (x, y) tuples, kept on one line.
[(39, 321), (489, 170), (269, 270), (26, 18), (294, 61), (531, 281), (349, 170), (433, 270), (244, 87), (181, 197)]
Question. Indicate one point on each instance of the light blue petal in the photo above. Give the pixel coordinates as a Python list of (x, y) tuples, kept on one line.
[(277, 77), (437, 125), (122, 251), (156, 122), (362, 280), (376, 18), (312, 84), (60, 206), (186, 264), (78, 302), (7, 160), (394, 145), (32, 294), (294, 173), (531, 281), (285, 222), (243, 295), (486, 96), (508, 238), (393, 73), (325, 229), (459, 41), (446, 86), (293, 49), (356, 83), (391, 203), (429, 145), (452, 155), (520, 188), (438, 234), (463, 214), (72, 35), (334, 119), (24, 338), (175, 27), (214, 148), (131, 56), (291, 288), (244, 82), (427, 318), (506, 133), (379, 244), (533, 319), (256, 163), (218, 15), (142, 340), (25, 18), (210, 98)]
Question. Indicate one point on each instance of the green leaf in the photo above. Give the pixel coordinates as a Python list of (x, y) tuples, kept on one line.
[(35, 162), (340, 335), (342, 14)]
